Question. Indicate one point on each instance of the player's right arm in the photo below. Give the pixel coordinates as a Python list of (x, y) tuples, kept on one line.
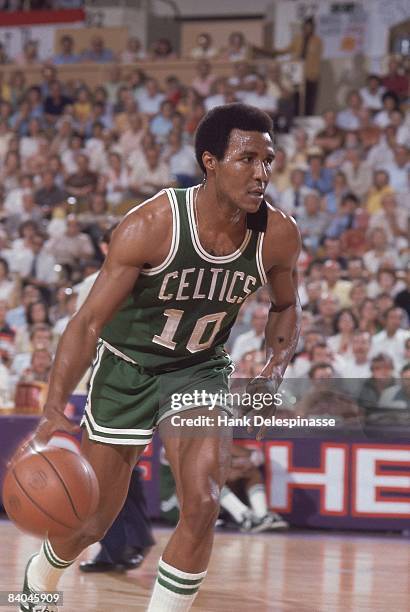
[(130, 249)]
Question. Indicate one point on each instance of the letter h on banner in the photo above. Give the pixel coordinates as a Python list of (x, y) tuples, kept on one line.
[(330, 478)]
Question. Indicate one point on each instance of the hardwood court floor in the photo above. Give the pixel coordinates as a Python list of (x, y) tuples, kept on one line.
[(288, 572)]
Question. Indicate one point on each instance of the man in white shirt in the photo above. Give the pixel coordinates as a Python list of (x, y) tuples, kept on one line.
[(291, 200), (372, 93), (181, 159), (260, 98), (253, 339), (394, 219), (392, 339), (149, 98), (399, 169), (357, 366), (349, 118), (150, 175)]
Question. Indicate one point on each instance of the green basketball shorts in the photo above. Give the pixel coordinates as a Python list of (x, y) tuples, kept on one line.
[(125, 402)]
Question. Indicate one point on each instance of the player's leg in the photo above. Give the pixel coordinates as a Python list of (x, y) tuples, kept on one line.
[(200, 464), (113, 465)]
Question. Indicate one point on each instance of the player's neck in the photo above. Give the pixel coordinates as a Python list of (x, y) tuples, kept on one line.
[(215, 209)]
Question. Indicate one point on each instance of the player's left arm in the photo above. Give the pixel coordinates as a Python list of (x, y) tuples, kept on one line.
[(283, 325)]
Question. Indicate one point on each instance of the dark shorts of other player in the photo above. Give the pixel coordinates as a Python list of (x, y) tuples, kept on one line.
[(125, 403)]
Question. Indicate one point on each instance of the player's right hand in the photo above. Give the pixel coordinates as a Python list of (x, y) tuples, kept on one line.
[(53, 420)]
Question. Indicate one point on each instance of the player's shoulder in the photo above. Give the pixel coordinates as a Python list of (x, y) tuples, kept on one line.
[(151, 217), (281, 225)]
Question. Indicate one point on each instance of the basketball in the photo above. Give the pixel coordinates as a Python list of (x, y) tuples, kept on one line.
[(50, 491)]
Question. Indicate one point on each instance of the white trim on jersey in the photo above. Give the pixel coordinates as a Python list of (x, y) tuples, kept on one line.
[(175, 237), (259, 260), (195, 237)]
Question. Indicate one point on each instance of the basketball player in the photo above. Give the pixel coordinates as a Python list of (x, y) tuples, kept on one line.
[(178, 269)]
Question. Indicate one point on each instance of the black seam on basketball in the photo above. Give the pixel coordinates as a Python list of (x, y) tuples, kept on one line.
[(38, 505), (62, 482)]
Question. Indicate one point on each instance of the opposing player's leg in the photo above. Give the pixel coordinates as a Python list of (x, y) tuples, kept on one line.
[(200, 463), (113, 465)]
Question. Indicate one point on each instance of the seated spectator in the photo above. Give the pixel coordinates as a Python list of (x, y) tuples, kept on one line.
[(66, 55), (8, 289), (349, 118), (291, 200), (368, 317), (74, 247), (29, 55), (384, 302), (13, 202), (242, 79), (379, 189), (317, 177), (41, 337), (396, 79), (204, 48), (150, 175), (312, 222), (333, 283), (379, 253), (260, 97), (162, 49), (280, 178), (331, 137), (372, 93), (391, 340), (357, 295), (381, 368), (345, 324), (390, 104), (48, 195), (357, 172), (29, 212), (61, 324), (116, 180), (36, 312), (83, 181), (133, 51), (35, 102), (40, 367), (98, 52), (328, 307), (279, 86), (254, 338), (332, 200), (204, 80), (181, 160), (398, 170), (161, 123), (131, 138), (82, 106), (369, 133), (238, 49), (344, 218), (222, 93), (397, 397), (55, 103), (356, 364), (150, 98), (402, 298), (394, 219)]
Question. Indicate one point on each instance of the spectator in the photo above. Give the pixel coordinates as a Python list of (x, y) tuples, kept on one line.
[(379, 189), (312, 222), (8, 288), (379, 253), (368, 317), (396, 79), (402, 298), (328, 307), (260, 97), (329, 139), (66, 55), (253, 339), (332, 200), (345, 324), (392, 338), (333, 283), (41, 337), (291, 200), (222, 93), (397, 397), (48, 195), (161, 123), (133, 51), (55, 103), (150, 98), (349, 118), (151, 175), (372, 93), (307, 47), (29, 55), (75, 246), (82, 182), (357, 172), (344, 218), (394, 219), (98, 52), (390, 104), (381, 367), (356, 364), (16, 317), (398, 170), (204, 80), (162, 50), (317, 177), (204, 49), (181, 160), (40, 367), (238, 49), (280, 178)]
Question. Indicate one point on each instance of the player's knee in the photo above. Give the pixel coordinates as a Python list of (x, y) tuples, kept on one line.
[(200, 512), (93, 531)]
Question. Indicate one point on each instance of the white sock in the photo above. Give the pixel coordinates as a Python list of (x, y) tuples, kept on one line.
[(46, 569), (257, 500), (232, 504), (174, 590)]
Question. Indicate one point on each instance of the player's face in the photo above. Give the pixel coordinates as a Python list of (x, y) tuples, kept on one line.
[(242, 176)]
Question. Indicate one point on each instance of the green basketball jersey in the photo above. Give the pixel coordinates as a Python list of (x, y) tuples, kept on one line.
[(181, 312)]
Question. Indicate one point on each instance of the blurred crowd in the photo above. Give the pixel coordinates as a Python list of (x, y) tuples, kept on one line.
[(74, 159)]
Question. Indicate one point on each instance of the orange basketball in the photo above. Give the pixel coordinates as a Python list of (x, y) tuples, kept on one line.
[(52, 491)]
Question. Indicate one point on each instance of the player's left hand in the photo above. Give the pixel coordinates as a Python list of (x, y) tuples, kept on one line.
[(262, 385)]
